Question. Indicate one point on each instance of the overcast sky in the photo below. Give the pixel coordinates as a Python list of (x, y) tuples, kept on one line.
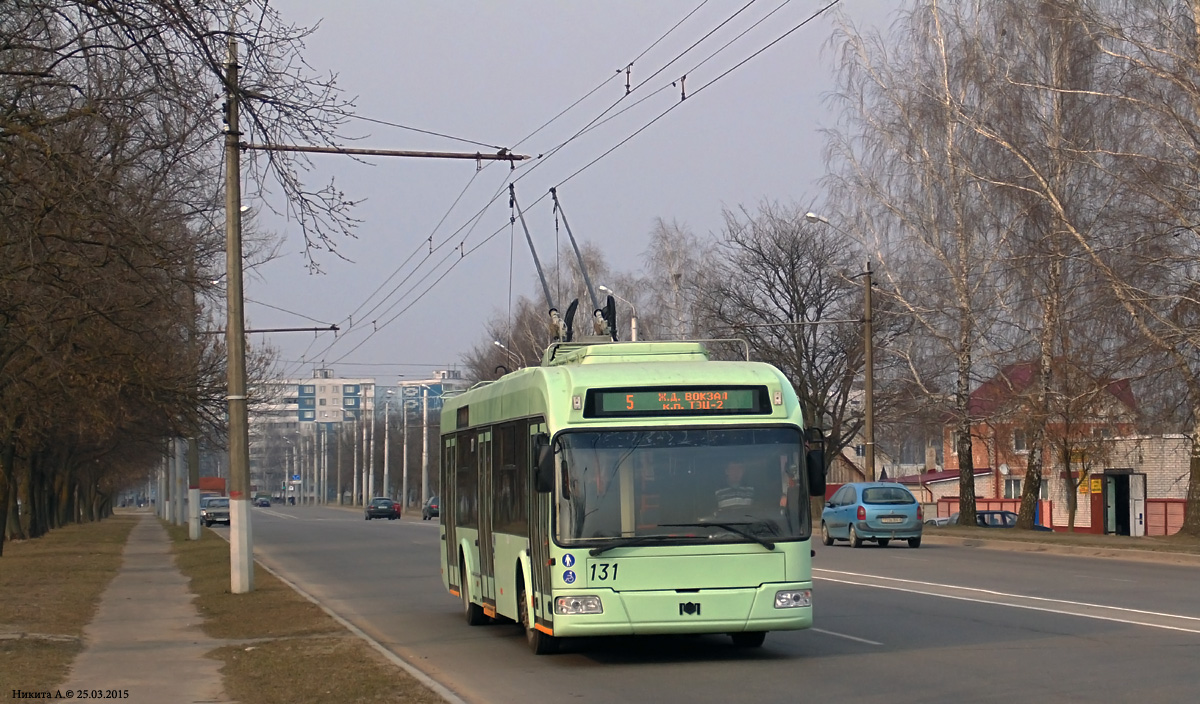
[(493, 73)]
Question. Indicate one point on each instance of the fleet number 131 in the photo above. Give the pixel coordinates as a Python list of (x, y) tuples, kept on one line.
[(603, 571)]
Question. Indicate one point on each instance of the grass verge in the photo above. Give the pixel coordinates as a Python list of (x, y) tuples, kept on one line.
[(1183, 544), (291, 650), (49, 591)]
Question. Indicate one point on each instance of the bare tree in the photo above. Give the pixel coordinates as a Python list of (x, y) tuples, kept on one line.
[(109, 191), (903, 168), (787, 280), (675, 260)]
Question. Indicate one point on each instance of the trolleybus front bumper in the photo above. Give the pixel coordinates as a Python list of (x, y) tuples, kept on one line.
[(769, 607)]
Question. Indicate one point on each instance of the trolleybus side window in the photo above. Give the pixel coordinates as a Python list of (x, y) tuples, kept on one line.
[(466, 511), (509, 487)]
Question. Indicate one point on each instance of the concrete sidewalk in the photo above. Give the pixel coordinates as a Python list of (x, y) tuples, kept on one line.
[(146, 636)]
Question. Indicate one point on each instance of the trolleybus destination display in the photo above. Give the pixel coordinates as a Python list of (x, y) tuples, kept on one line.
[(681, 401)]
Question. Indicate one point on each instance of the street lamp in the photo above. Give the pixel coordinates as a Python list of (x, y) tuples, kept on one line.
[(869, 361), (510, 353), (632, 318)]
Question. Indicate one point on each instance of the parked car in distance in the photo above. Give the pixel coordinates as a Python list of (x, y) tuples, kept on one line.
[(262, 501), (382, 507), (430, 509), (878, 511), (214, 510), (993, 519)]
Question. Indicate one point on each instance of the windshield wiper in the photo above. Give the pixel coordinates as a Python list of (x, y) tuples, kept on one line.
[(635, 540), (732, 527)]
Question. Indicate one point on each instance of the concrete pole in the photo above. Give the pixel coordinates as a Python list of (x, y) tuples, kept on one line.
[(370, 463), (869, 381), (363, 459), (309, 460), (181, 482), (387, 490), (241, 544), (424, 445), (160, 501), (193, 461), (354, 465), (404, 452), (322, 461), (337, 450)]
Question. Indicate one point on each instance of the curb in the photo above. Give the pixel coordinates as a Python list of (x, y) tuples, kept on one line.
[(436, 687), (1155, 556)]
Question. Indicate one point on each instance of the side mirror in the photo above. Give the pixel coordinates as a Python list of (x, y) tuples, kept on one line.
[(815, 461), (543, 473)]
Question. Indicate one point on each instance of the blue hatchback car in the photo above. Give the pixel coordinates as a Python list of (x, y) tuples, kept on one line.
[(878, 511)]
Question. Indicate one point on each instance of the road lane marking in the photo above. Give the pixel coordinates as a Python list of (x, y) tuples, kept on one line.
[(1091, 577), (1071, 608), (843, 635), (277, 514)]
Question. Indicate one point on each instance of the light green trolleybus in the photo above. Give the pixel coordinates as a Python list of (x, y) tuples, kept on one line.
[(626, 488)]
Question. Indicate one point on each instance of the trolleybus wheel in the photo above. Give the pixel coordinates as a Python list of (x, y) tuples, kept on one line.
[(540, 643), (749, 639), (472, 611)]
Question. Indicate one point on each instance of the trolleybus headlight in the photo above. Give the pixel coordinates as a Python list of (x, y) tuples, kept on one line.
[(791, 598), (567, 605)]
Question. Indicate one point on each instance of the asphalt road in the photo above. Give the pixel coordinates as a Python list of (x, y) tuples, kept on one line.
[(936, 624)]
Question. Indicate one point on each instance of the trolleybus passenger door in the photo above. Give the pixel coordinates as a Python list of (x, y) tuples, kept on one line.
[(487, 572), (449, 500), (540, 531)]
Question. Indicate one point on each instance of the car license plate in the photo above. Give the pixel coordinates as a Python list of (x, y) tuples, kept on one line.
[(891, 519)]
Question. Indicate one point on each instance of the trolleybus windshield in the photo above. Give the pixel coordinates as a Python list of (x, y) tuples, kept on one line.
[(696, 485)]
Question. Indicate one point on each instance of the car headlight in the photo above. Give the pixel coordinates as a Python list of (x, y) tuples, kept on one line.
[(569, 605), (791, 598)]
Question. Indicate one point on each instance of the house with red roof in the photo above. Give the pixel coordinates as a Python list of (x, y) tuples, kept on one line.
[(1092, 456)]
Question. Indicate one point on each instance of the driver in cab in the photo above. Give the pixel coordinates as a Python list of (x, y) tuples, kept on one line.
[(734, 494)]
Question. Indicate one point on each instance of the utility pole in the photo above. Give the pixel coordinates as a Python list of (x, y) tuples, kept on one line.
[(338, 450), (354, 464), (370, 463), (424, 443), (193, 446), (868, 361), (322, 465), (241, 544), (869, 382), (193, 459), (387, 407), (164, 489), (181, 477), (363, 456), (404, 450)]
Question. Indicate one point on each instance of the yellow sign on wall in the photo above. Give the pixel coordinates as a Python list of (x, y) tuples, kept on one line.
[(1097, 486)]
